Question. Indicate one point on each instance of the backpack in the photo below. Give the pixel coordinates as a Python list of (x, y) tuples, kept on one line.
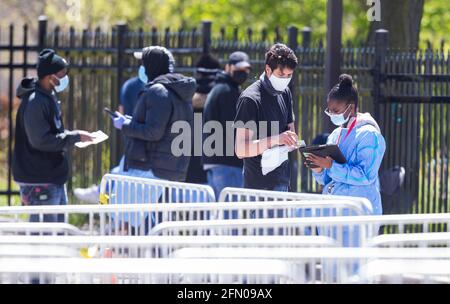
[(395, 200)]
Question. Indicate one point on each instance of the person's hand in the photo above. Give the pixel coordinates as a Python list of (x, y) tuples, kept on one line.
[(317, 169), (120, 120), (85, 136), (321, 162), (287, 138)]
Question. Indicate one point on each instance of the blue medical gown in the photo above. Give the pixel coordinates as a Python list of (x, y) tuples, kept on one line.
[(364, 149)]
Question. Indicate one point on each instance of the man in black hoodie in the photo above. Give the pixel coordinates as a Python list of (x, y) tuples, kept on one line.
[(165, 100), (40, 165), (223, 167)]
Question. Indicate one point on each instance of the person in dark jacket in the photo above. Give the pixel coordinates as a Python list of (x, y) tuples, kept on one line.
[(207, 69), (223, 167), (165, 100), (40, 165)]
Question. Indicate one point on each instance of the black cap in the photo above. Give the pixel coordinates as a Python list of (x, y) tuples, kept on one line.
[(49, 63), (240, 60)]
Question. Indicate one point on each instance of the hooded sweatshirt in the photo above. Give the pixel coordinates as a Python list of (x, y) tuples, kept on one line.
[(164, 101), (363, 149), (40, 139)]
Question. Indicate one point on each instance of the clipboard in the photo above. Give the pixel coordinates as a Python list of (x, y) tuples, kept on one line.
[(332, 151)]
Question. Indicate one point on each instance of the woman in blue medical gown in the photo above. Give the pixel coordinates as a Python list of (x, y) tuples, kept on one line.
[(360, 140)]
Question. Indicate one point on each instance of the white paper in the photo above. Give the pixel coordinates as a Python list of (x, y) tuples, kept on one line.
[(274, 157), (99, 137)]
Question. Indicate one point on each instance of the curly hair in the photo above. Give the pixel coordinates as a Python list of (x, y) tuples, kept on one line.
[(281, 56)]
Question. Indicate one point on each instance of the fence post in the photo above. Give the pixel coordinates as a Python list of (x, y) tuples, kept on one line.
[(206, 33), (306, 37), (305, 121), (333, 51), (10, 109), (121, 46), (293, 44), (42, 34), (381, 44)]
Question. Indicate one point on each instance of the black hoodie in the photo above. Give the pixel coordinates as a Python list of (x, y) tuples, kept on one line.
[(40, 139), (164, 101), (221, 106)]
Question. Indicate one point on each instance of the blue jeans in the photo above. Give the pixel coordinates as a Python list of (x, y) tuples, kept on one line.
[(48, 194), (222, 176), (282, 188)]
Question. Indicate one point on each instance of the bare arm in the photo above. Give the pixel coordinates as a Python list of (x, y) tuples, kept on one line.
[(246, 147), (291, 127)]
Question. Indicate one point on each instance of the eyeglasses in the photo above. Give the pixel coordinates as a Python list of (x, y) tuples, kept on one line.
[(329, 113)]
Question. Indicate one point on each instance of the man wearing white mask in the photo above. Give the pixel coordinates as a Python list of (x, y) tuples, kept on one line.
[(265, 119)]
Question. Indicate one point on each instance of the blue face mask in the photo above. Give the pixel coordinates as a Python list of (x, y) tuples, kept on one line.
[(63, 84), (142, 76)]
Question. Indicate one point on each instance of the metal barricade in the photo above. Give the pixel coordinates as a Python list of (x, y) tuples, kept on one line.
[(402, 271), (343, 265), (145, 271), (249, 195), (241, 265), (24, 228), (113, 219), (148, 246), (352, 231), (427, 239), (123, 189)]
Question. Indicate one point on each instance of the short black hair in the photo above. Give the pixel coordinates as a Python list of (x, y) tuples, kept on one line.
[(281, 56), (344, 91)]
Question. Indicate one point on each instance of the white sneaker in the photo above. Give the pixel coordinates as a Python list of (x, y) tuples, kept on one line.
[(90, 195)]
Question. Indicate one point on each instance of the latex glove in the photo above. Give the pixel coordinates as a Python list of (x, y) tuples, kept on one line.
[(120, 120)]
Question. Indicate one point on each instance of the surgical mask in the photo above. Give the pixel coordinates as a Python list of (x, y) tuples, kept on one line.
[(338, 119), (63, 83), (279, 84), (142, 76), (239, 77)]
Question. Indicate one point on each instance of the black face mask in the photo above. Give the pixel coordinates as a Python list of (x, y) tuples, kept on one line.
[(239, 77)]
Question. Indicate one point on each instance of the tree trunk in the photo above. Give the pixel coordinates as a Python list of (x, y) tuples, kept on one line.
[(402, 19)]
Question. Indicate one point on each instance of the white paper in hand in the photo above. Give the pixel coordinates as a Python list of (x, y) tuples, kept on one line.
[(99, 137), (273, 158)]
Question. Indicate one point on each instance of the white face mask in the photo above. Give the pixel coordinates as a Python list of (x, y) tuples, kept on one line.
[(339, 119), (279, 84)]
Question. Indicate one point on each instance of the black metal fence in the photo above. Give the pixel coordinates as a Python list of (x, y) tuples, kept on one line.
[(407, 91)]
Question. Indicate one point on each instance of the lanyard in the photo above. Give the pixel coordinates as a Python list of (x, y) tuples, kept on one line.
[(348, 133)]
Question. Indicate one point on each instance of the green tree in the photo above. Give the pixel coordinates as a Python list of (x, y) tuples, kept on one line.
[(403, 18)]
